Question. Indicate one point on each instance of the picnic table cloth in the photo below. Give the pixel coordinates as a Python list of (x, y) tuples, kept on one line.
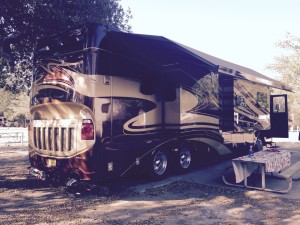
[(273, 159)]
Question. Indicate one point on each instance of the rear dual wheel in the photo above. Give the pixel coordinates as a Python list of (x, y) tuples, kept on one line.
[(159, 165), (161, 161), (183, 159)]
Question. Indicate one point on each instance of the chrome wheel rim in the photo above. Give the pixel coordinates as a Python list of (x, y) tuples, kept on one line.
[(160, 163), (185, 158)]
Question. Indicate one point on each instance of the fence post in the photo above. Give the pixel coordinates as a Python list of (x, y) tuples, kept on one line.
[(22, 134)]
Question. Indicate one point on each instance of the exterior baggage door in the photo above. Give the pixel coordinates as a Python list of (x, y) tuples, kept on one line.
[(226, 96), (279, 116)]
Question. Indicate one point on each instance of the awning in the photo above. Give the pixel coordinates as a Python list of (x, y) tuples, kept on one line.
[(155, 55), (239, 71), (162, 53)]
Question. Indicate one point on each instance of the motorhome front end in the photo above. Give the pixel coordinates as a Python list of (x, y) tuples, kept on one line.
[(104, 103)]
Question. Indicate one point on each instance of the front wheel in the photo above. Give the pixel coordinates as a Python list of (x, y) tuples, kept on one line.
[(158, 166)]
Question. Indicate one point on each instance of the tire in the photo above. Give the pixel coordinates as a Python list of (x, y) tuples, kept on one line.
[(158, 165), (183, 159)]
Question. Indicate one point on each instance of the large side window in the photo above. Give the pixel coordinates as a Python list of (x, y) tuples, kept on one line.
[(163, 86), (169, 84), (147, 86)]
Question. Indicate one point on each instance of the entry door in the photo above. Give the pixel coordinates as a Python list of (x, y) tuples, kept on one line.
[(279, 116)]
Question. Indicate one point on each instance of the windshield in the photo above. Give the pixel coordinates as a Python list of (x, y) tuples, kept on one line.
[(52, 95), (54, 85)]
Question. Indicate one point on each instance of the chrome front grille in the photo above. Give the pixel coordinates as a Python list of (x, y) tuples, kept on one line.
[(54, 138), (58, 138)]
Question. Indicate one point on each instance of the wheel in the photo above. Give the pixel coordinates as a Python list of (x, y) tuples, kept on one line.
[(183, 159), (158, 166)]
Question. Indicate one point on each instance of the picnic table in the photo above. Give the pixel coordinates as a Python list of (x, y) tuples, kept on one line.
[(267, 161)]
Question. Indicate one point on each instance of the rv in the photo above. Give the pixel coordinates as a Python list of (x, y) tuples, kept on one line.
[(106, 102)]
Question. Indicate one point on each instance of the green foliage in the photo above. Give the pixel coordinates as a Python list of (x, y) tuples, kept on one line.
[(288, 66), (15, 107), (3, 74), (6, 98), (23, 22)]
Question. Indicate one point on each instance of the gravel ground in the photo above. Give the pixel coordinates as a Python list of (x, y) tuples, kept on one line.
[(24, 200)]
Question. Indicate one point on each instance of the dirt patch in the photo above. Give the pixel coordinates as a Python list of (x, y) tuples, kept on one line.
[(24, 200)]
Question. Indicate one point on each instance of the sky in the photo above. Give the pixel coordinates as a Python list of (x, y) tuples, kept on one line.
[(244, 32)]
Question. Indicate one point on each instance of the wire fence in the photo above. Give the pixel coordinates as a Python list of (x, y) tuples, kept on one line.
[(13, 136)]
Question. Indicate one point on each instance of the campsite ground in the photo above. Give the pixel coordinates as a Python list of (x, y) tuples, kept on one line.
[(199, 197)]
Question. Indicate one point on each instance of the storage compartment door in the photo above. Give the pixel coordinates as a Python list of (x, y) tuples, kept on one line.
[(226, 96)]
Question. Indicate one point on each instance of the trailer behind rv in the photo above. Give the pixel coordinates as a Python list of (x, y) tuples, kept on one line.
[(105, 102)]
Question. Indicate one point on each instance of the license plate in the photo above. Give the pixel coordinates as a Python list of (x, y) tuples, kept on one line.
[(50, 162)]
